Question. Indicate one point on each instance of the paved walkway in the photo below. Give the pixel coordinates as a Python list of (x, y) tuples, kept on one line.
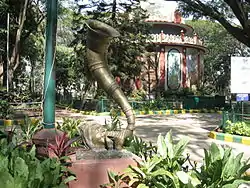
[(195, 126)]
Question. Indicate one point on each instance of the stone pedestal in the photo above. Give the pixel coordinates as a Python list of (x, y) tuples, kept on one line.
[(91, 173)]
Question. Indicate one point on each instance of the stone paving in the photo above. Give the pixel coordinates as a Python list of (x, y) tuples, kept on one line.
[(195, 126)]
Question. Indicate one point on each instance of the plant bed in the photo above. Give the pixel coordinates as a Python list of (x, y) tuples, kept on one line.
[(229, 137), (91, 167), (238, 132)]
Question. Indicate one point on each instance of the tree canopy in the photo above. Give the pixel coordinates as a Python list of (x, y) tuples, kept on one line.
[(233, 15), (220, 47), (128, 18)]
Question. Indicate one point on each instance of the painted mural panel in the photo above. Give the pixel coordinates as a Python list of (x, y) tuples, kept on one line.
[(201, 66), (192, 66), (173, 69)]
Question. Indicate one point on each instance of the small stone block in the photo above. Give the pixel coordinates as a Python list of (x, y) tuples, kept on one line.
[(8, 122), (237, 139), (220, 137), (212, 134), (1, 122), (228, 138), (246, 140)]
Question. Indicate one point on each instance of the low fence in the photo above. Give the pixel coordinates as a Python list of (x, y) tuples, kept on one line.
[(234, 117), (190, 102), (33, 106)]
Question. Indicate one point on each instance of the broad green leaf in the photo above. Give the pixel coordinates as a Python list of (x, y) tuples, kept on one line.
[(153, 162), (161, 145), (183, 177), (180, 147), (215, 152), (227, 154), (207, 158), (229, 168), (68, 179), (169, 144), (194, 180), (21, 169), (139, 171), (237, 164), (112, 176), (174, 178), (159, 172)]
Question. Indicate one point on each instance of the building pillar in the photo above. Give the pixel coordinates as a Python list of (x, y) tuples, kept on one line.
[(198, 68), (184, 68), (162, 66)]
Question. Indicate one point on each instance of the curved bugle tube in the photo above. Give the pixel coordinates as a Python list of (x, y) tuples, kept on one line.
[(98, 39)]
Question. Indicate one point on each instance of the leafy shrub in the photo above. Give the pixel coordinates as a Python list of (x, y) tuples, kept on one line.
[(29, 127), (6, 110), (62, 145), (222, 168), (70, 126), (139, 147), (20, 168), (162, 169), (138, 94), (165, 168), (115, 124), (238, 128)]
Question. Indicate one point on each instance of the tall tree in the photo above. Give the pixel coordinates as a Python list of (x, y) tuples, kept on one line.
[(25, 17), (233, 15), (220, 46)]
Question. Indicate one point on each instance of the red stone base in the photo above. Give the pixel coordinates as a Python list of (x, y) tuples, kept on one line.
[(93, 173)]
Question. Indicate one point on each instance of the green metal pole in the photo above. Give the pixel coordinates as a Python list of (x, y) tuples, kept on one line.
[(49, 75)]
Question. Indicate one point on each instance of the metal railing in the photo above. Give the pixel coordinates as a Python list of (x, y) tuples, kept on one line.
[(234, 117)]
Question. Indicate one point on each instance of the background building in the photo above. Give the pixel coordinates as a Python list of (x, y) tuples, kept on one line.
[(175, 55)]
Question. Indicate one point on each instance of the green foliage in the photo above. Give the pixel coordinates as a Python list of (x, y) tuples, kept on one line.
[(157, 104), (29, 127), (138, 94), (161, 169), (115, 124), (164, 169), (65, 75), (139, 147), (221, 46), (20, 168), (238, 128), (70, 126), (225, 12), (128, 18), (222, 168), (6, 110)]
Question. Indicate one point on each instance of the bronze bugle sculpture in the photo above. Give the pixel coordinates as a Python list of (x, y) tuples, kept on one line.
[(98, 39)]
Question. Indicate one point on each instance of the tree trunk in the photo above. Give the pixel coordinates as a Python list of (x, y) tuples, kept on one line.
[(31, 80), (4, 73), (15, 55), (113, 10)]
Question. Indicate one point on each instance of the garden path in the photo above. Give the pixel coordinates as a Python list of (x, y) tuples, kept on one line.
[(195, 126)]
